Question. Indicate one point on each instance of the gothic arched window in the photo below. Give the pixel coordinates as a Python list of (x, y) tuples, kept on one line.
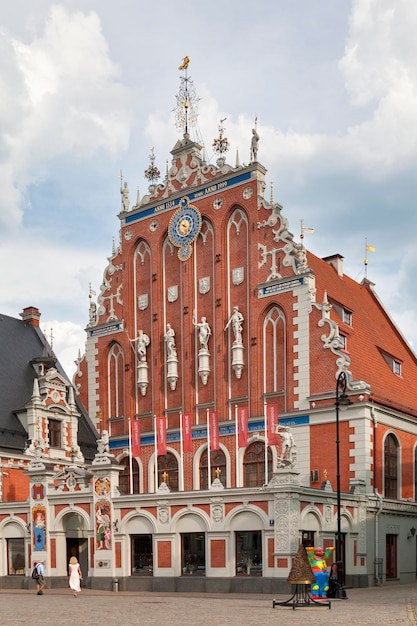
[(391, 467), (116, 373), (274, 351)]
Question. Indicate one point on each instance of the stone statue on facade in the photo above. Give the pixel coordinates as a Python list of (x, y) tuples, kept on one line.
[(204, 332), (236, 320), (288, 447), (103, 443), (170, 341), (254, 145), (125, 196), (142, 342)]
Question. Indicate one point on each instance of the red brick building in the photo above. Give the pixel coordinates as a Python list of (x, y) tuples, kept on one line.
[(206, 247), (212, 322)]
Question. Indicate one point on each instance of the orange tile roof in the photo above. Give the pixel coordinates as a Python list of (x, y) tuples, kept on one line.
[(371, 333)]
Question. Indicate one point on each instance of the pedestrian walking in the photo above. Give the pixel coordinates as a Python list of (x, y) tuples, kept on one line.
[(40, 581), (75, 576)]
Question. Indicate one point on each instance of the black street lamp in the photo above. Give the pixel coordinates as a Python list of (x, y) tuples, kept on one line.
[(341, 400)]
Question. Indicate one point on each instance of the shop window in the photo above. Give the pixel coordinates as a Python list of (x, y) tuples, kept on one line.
[(124, 477), (168, 471), (217, 468), (254, 464), (16, 557), (391, 467), (248, 553), (193, 554), (142, 555), (54, 433)]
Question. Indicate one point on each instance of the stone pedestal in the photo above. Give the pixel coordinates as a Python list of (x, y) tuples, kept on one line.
[(204, 365), (172, 374), (143, 380), (237, 358)]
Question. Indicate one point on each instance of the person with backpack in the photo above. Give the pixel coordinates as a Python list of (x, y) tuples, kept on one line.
[(38, 574)]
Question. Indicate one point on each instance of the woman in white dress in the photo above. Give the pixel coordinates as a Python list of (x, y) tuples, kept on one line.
[(75, 575)]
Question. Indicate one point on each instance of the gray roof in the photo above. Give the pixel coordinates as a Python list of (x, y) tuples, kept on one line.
[(21, 344)]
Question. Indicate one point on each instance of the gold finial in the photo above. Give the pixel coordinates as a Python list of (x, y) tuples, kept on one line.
[(184, 63), (218, 472), (325, 474), (165, 477)]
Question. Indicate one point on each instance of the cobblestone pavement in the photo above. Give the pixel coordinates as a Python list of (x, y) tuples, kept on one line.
[(377, 607)]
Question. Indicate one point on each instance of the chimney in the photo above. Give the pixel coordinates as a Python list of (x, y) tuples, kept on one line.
[(336, 261), (31, 315)]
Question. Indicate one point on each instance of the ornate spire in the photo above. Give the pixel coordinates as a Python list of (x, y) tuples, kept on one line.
[(221, 144), (186, 112), (152, 173)]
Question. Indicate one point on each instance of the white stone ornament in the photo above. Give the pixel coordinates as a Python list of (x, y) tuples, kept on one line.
[(238, 275), (143, 302), (172, 293), (204, 285)]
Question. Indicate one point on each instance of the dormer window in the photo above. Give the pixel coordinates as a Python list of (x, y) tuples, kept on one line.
[(396, 367), (394, 364), (347, 317), (343, 341), (54, 433), (344, 314)]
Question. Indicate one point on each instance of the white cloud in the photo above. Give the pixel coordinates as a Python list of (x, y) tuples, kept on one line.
[(67, 98)]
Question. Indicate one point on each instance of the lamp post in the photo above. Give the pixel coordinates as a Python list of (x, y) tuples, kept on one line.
[(341, 400)]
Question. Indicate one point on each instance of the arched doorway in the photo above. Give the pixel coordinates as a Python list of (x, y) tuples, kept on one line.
[(76, 539)]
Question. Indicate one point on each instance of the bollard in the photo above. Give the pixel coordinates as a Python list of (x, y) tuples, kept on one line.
[(116, 585)]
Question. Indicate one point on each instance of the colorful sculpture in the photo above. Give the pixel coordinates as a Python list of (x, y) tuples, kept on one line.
[(318, 562)]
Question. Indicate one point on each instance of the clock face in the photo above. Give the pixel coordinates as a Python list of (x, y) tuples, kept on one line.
[(184, 226)]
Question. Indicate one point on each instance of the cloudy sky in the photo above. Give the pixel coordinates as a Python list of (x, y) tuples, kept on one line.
[(88, 87)]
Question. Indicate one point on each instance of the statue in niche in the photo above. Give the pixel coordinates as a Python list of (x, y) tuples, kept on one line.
[(125, 196), (204, 332), (236, 320), (170, 341)]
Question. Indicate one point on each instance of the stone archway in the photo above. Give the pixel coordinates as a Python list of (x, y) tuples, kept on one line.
[(76, 535)]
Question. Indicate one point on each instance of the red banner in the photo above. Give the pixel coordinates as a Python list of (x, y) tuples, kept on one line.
[(242, 426), (135, 434), (187, 442), (272, 419), (214, 430), (161, 435)]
